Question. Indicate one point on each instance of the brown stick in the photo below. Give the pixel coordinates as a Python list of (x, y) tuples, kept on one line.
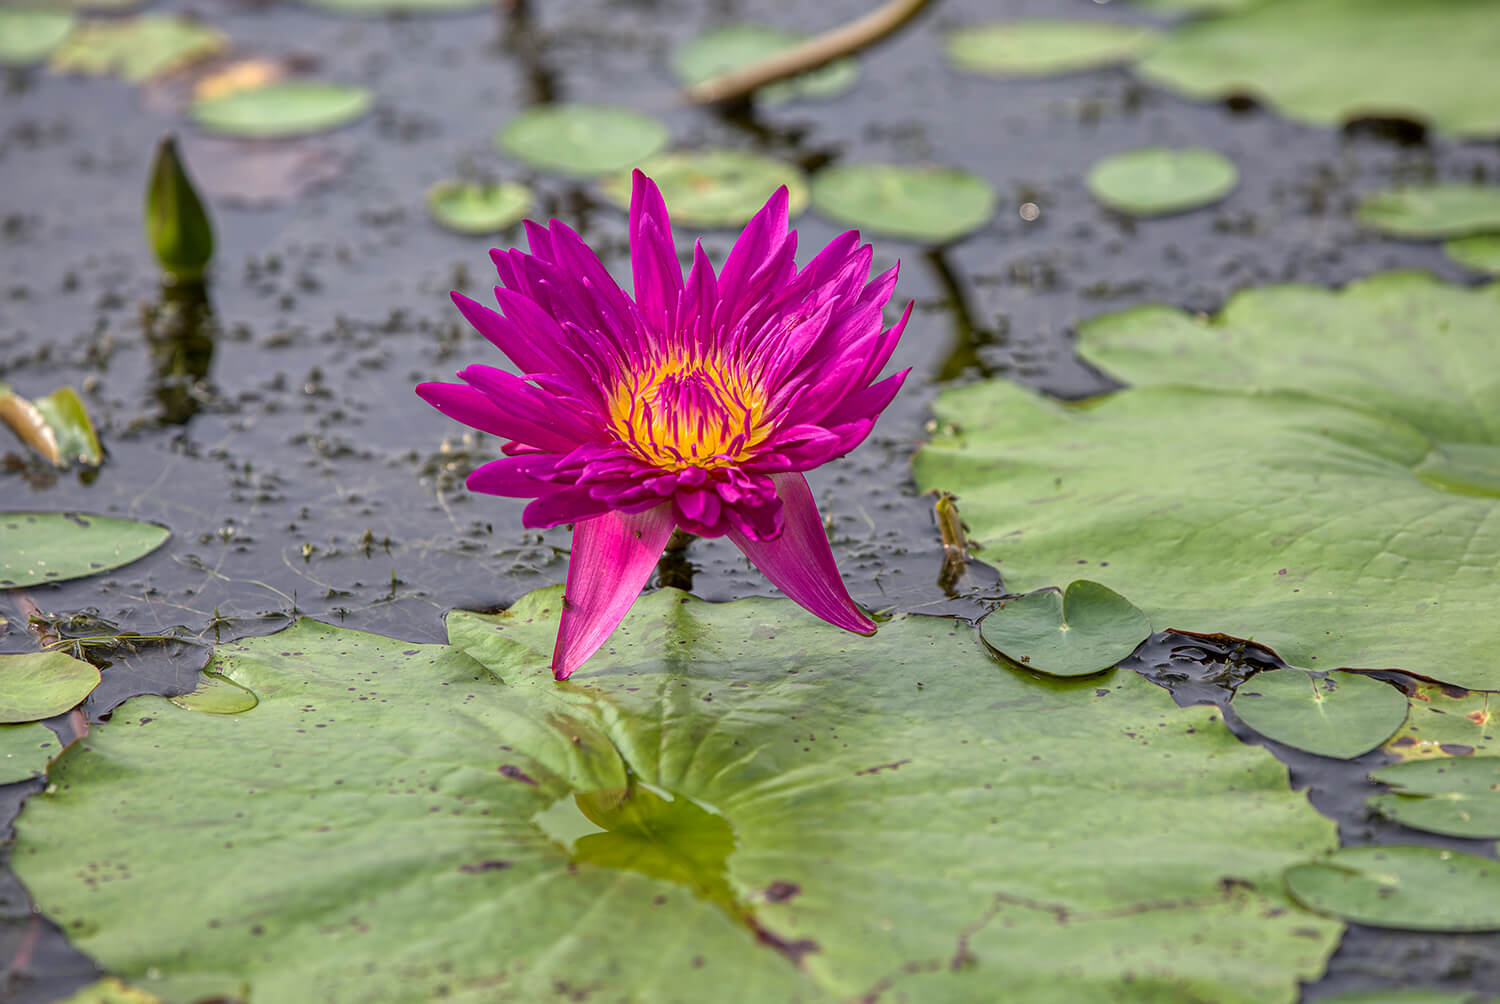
[(815, 52)]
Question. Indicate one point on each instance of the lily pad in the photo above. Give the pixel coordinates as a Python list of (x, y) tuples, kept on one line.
[(37, 685), (714, 188), (37, 547), (25, 750), (1459, 796), (472, 207), (1082, 631), (730, 795), (1155, 180), (27, 36), (1409, 888), (1332, 61), (1341, 715), (287, 108), (1480, 252), (1432, 210), (1317, 470), (582, 140), (383, 7), (137, 48), (933, 205), (737, 45), (1043, 47), (1446, 722)]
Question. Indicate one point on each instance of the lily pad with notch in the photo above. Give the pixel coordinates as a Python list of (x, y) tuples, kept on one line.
[(38, 547), (37, 685), (1340, 715), (474, 207), (582, 140), (1403, 887), (1078, 632), (1457, 796), (714, 188)]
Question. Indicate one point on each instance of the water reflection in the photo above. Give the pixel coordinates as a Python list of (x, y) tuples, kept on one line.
[(969, 338), (180, 329)]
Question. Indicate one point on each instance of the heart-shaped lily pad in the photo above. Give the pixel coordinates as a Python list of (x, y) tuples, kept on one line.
[(1041, 47), (37, 685), (728, 795), (1409, 888), (472, 207), (287, 108), (137, 48), (1085, 630), (933, 205), (714, 188), (25, 749), (582, 140), (1447, 722), (26, 36), (37, 547), (1432, 210), (1156, 180), (1458, 796), (734, 46), (1480, 252), (1342, 715)]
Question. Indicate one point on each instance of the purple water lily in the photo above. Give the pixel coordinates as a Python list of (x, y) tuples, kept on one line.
[(697, 405)]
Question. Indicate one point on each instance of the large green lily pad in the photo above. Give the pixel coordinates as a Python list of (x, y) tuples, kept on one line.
[(1317, 470), (713, 188), (1459, 796), (1342, 715), (37, 547), (1409, 888), (1332, 61), (582, 140), (734, 46), (1432, 210), (728, 795), (472, 207), (933, 205), (1041, 46), (25, 750), (1085, 630), (137, 48), (1156, 180), (35, 685), (280, 110), (1446, 722)]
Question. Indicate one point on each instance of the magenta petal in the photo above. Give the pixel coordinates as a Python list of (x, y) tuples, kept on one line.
[(613, 556), (653, 258), (799, 561)]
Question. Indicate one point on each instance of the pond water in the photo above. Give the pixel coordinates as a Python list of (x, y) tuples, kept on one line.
[(282, 444)]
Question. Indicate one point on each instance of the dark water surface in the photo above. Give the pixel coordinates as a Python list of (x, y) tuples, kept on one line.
[(300, 474)]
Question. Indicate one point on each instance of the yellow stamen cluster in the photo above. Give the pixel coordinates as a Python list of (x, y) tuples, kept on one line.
[(680, 413)]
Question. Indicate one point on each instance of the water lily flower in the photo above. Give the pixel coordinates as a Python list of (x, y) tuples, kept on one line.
[(697, 405)]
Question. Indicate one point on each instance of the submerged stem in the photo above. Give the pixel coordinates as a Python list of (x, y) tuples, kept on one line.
[(674, 569)]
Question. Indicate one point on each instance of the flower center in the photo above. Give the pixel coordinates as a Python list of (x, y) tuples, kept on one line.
[(679, 414)]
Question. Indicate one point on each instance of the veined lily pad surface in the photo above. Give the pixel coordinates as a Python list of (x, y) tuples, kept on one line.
[(1332, 61), (765, 802), (1317, 470), (1074, 632), (37, 547), (1335, 715)]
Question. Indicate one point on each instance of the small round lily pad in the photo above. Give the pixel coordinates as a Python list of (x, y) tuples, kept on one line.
[(288, 108), (472, 207), (582, 140), (1341, 715), (37, 547), (1432, 210), (1458, 796), (736, 45), (1042, 47), (37, 685), (1085, 630), (25, 750), (714, 188), (1155, 180), (933, 205), (1408, 888), (1480, 252), (27, 36)]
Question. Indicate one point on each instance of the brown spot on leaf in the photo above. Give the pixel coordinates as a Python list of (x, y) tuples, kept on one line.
[(780, 892), (515, 773), (474, 868)]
